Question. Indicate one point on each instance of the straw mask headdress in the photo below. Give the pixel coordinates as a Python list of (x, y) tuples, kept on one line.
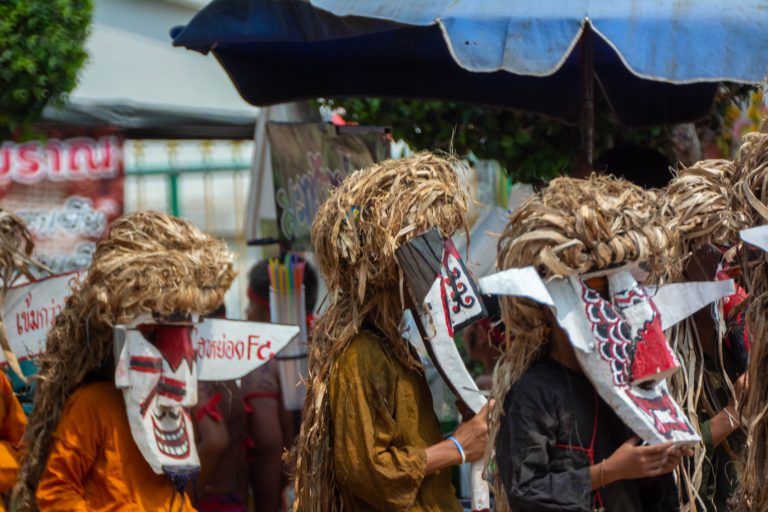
[(572, 227), (701, 201), (699, 207), (355, 235), (751, 195), (148, 263)]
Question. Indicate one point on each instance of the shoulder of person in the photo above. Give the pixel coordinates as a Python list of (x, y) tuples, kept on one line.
[(367, 344), (366, 350), (100, 396), (537, 386)]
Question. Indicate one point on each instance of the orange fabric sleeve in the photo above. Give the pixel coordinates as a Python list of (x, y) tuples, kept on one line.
[(13, 421), (74, 447)]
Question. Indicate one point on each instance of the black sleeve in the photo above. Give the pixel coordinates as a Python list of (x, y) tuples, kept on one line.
[(659, 494), (525, 439)]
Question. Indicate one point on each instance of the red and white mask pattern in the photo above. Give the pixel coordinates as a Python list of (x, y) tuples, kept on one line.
[(628, 357), (157, 371), (619, 340)]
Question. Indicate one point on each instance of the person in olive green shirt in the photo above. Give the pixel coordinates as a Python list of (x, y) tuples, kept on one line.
[(388, 450), (370, 440)]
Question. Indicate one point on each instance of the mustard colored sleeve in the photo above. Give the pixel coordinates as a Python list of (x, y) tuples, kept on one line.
[(369, 461), (13, 421), (74, 447)]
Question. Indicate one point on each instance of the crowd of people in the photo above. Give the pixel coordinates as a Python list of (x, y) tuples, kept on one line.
[(617, 341)]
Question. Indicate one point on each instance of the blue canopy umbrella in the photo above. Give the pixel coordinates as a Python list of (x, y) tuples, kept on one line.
[(656, 62)]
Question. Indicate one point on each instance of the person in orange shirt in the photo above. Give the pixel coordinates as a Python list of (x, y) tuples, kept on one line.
[(15, 261), (13, 421), (94, 463), (110, 428)]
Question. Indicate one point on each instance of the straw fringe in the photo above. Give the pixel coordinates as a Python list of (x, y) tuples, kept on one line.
[(355, 235), (149, 263), (571, 227), (700, 208), (751, 196), (16, 247), (701, 200)]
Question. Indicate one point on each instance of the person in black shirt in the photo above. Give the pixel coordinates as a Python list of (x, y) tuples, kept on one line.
[(558, 445), (562, 448)]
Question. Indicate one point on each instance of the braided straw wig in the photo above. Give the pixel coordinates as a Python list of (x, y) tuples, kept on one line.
[(355, 235), (149, 263), (572, 227), (700, 199), (752, 195)]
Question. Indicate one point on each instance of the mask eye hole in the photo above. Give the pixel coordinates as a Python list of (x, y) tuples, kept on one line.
[(148, 331), (600, 285)]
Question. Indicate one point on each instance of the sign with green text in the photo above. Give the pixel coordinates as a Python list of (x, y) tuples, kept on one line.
[(308, 161)]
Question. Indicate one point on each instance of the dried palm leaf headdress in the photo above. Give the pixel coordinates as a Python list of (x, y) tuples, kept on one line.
[(699, 208), (355, 235), (16, 260), (751, 194), (572, 227), (148, 263)]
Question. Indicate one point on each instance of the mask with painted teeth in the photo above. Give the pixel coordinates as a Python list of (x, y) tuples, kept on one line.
[(157, 371)]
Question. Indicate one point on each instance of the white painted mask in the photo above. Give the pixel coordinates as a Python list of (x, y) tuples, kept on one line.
[(619, 341), (157, 371), (446, 300), (158, 366), (622, 348)]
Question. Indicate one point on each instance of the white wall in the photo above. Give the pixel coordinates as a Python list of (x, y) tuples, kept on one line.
[(131, 58)]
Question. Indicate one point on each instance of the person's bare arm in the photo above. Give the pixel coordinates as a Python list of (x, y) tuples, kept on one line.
[(266, 433), (211, 434), (213, 442), (473, 437), (631, 461), (727, 421)]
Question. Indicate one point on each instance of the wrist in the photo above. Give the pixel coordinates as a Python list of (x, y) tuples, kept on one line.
[(731, 416), (459, 448), (607, 473)]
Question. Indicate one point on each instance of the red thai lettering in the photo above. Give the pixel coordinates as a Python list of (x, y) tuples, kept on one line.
[(55, 169), (5, 162), (253, 345), (74, 159), (266, 346), (81, 161), (28, 168), (219, 350)]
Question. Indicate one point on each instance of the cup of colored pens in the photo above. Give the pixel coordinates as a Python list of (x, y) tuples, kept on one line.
[(287, 306)]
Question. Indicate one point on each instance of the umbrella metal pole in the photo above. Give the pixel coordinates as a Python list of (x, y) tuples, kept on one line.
[(587, 61)]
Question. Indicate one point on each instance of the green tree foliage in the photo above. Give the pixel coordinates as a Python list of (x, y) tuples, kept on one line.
[(529, 147), (41, 51), (532, 148)]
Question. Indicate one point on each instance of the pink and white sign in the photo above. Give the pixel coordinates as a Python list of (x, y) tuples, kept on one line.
[(230, 349), (55, 160), (31, 309), (68, 191)]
